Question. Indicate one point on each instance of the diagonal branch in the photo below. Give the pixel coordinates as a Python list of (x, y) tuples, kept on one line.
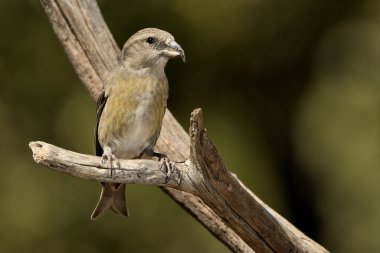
[(233, 214), (85, 36), (203, 175)]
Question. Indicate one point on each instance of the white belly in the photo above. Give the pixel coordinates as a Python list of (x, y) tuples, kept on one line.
[(138, 134)]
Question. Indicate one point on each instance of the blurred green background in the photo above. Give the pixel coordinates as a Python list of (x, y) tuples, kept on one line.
[(291, 96)]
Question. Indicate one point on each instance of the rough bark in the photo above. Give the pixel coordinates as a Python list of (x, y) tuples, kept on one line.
[(233, 214), (203, 175)]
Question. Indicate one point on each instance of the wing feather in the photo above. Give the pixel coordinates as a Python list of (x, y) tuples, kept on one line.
[(99, 109)]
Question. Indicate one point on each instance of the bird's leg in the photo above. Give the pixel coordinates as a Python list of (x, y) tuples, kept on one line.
[(164, 162), (168, 165), (108, 157)]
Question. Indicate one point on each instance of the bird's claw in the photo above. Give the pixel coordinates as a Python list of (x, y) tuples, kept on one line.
[(108, 158), (169, 167)]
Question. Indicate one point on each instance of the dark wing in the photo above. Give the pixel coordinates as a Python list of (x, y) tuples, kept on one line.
[(99, 109)]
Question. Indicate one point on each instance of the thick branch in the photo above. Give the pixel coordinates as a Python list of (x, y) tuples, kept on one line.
[(258, 225), (92, 50), (204, 175), (86, 39)]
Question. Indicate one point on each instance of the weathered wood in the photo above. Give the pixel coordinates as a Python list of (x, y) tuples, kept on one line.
[(203, 175), (88, 167), (257, 224), (234, 214), (85, 37)]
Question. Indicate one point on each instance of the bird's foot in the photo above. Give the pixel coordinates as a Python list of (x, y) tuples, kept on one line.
[(167, 165), (108, 158), (170, 166)]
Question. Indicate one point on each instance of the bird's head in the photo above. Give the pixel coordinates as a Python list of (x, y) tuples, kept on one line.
[(150, 48)]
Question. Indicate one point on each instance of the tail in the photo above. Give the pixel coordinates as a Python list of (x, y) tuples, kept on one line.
[(112, 197)]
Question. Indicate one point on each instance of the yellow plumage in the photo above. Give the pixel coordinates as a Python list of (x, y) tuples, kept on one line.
[(131, 107), (132, 117)]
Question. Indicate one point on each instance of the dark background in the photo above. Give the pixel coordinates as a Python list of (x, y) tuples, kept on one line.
[(290, 93)]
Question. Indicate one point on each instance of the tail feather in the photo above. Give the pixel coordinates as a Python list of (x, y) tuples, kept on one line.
[(112, 198)]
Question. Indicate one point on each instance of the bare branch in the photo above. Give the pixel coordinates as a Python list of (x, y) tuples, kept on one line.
[(258, 225), (234, 215), (85, 36), (144, 172), (204, 175)]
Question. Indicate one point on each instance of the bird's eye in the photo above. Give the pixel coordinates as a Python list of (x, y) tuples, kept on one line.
[(150, 40)]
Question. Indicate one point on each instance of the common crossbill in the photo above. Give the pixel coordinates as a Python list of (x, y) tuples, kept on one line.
[(131, 107)]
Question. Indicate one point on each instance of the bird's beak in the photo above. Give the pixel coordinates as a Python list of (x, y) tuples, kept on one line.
[(176, 50)]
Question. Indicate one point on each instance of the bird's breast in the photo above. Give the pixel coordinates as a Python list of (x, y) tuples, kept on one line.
[(137, 119)]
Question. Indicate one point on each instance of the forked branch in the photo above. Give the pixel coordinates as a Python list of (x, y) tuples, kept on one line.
[(232, 213), (203, 175)]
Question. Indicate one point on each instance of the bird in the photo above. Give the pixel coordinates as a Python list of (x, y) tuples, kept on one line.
[(131, 107)]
